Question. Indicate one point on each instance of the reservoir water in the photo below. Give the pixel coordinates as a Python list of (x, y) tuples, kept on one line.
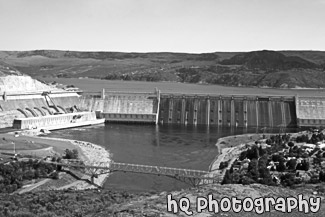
[(170, 146)]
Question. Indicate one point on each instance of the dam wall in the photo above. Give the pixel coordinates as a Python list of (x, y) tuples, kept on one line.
[(126, 103), (123, 106), (194, 109), (130, 107), (169, 108), (227, 110), (310, 111), (91, 103)]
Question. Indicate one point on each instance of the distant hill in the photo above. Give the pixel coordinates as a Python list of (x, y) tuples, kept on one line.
[(269, 60), (257, 68)]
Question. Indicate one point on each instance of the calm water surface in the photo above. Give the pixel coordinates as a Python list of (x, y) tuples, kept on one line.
[(174, 87), (170, 146)]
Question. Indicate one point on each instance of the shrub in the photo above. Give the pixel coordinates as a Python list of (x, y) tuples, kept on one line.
[(71, 154), (223, 165)]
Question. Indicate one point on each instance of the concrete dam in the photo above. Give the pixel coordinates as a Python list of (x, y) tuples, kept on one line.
[(41, 101), (191, 109)]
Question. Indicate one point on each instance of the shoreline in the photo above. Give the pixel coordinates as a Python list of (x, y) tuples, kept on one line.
[(88, 152), (229, 148), (224, 144)]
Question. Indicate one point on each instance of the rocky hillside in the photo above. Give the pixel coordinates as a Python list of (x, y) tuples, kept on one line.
[(257, 68)]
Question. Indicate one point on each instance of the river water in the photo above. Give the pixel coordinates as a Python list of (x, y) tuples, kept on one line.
[(170, 146)]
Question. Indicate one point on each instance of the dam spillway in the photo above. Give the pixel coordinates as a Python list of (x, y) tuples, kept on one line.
[(223, 110)]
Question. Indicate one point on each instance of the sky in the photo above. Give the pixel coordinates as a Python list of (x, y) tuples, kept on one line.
[(191, 26)]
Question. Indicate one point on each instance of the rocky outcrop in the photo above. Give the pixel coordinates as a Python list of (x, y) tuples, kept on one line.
[(14, 83)]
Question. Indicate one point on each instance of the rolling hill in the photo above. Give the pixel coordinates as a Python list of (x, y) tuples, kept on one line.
[(286, 69)]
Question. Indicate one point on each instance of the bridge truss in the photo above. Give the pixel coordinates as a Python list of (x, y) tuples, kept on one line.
[(191, 177)]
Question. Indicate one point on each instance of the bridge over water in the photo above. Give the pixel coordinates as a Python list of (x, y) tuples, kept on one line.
[(192, 177)]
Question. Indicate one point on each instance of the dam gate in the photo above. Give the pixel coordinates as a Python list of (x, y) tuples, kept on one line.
[(227, 110)]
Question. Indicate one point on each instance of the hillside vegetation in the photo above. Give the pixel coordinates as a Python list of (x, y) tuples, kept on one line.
[(286, 69), (110, 203)]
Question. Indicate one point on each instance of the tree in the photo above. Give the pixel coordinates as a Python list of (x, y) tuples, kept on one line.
[(288, 179), (261, 151), (253, 170), (243, 155), (223, 165), (291, 164), (55, 175), (268, 141), (304, 165), (277, 158), (291, 144), (227, 179), (321, 136), (322, 176), (71, 154), (247, 180), (252, 153), (281, 167)]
